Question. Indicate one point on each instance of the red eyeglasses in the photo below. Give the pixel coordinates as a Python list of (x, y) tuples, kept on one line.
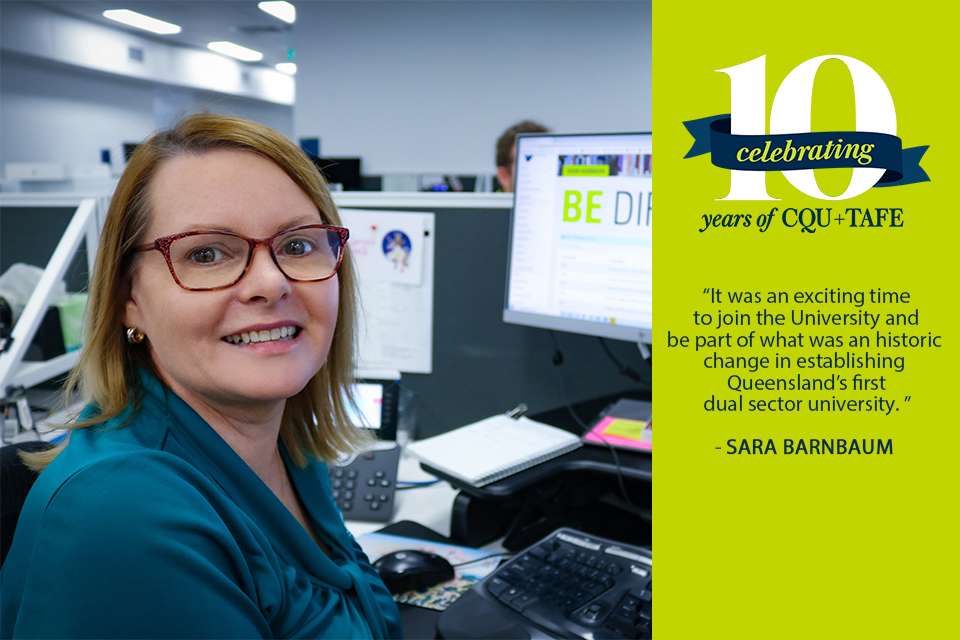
[(210, 260)]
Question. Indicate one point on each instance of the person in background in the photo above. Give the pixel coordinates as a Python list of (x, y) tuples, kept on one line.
[(506, 150), (192, 499)]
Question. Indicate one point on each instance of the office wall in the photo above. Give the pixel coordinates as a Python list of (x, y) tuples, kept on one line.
[(428, 86), (55, 113)]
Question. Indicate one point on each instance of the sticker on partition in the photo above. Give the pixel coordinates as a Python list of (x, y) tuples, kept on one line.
[(397, 249)]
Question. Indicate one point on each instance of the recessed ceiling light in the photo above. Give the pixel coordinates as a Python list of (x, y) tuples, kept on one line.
[(140, 21), (235, 51), (280, 10), (289, 68)]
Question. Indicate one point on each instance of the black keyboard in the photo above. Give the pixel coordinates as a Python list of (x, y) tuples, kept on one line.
[(365, 488), (568, 585)]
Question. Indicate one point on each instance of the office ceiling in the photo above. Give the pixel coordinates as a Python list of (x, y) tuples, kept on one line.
[(202, 21)]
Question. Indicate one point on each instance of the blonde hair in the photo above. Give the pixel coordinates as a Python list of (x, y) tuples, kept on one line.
[(315, 421)]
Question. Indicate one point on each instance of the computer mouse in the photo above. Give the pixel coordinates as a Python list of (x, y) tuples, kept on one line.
[(412, 569)]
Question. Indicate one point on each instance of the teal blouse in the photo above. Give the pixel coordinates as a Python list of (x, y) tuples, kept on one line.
[(159, 529)]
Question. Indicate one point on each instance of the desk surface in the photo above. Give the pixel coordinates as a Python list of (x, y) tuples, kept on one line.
[(432, 507)]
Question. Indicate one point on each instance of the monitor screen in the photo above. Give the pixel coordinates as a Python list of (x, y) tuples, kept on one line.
[(345, 172), (376, 407), (580, 237), (369, 397)]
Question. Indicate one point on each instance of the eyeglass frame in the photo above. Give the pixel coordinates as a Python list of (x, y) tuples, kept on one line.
[(164, 243)]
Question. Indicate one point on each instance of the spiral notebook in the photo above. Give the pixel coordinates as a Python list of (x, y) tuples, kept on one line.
[(494, 448)]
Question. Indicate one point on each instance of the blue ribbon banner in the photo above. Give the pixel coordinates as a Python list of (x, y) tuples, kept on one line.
[(818, 150)]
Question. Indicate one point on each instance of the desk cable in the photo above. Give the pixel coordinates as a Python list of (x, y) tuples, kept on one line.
[(624, 369), (584, 429), (508, 554), (403, 485)]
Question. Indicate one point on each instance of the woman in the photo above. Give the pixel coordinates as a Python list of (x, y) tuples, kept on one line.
[(191, 499)]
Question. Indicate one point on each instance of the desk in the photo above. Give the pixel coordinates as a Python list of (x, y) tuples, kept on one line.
[(436, 506), (580, 489), (430, 506)]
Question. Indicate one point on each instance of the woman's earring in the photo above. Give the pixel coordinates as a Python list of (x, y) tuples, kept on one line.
[(135, 336)]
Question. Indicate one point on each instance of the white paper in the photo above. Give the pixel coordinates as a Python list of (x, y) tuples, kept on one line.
[(393, 253)]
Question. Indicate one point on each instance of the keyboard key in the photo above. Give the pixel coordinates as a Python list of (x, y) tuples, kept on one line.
[(371, 482), (539, 552), (348, 495), (378, 475), (351, 473), (349, 484), (509, 594), (338, 473), (367, 497), (337, 484), (384, 497), (512, 575), (521, 602), (620, 625), (384, 483), (496, 586), (347, 505), (374, 506)]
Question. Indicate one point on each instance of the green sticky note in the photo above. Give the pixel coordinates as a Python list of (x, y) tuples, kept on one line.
[(632, 429)]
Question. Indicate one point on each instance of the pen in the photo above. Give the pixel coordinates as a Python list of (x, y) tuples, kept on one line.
[(517, 411)]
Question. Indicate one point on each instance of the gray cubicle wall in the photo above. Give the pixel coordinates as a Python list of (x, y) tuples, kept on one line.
[(482, 365), (30, 234)]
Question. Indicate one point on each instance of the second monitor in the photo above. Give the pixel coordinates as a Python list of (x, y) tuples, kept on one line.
[(580, 236)]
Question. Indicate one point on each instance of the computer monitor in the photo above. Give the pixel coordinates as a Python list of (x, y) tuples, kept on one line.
[(580, 235), (343, 171)]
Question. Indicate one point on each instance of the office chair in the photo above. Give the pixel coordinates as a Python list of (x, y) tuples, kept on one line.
[(15, 482)]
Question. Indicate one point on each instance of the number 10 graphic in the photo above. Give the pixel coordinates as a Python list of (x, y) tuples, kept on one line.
[(790, 113)]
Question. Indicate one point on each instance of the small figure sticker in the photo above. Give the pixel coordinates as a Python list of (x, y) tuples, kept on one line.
[(397, 249)]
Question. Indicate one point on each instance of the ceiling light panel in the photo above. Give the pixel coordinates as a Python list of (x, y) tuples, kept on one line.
[(141, 21), (289, 68), (280, 10), (235, 51)]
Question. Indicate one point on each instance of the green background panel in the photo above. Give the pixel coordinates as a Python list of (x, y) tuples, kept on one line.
[(805, 547)]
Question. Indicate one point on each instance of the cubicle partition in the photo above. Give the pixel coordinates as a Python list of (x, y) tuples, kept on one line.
[(57, 234), (481, 365)]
